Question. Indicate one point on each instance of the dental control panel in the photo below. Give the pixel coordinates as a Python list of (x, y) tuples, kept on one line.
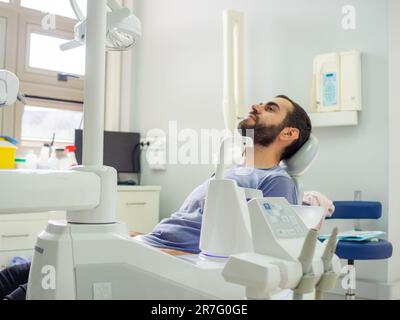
[(283, 219)]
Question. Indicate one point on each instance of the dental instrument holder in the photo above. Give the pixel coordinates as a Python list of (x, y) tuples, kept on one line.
[(256, 271), (329, 278), (274, 265), (309, 279), (225, 224)]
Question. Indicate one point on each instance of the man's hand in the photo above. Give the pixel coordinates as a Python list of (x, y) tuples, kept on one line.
[(171, 252), (134, 233)]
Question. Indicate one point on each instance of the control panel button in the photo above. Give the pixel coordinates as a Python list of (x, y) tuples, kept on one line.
[(285, 219), (292, 233), (281, 232), (293, 219), (274, 219), (267, 206), (299, 230)]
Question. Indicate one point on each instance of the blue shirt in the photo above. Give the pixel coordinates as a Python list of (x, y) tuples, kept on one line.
[(181, 231)]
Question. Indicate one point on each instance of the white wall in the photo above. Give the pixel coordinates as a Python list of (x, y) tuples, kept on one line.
[(180, 64), (394, 154)]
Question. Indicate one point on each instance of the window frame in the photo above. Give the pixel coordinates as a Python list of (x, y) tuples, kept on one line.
[(38, 10), (30, 22)]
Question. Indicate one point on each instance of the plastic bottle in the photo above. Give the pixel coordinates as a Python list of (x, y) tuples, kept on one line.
[(71, 156), (53, 162), (31, 160), (44, 157), (20, 163), (62, 159)]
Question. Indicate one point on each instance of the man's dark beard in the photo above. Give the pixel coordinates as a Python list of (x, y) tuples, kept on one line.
[(263, 135)]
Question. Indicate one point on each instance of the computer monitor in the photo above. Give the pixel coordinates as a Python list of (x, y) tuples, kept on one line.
[(121, 150)]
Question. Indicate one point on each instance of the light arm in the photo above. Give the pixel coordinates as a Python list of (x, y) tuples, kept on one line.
[(77, 10), (25, 191)]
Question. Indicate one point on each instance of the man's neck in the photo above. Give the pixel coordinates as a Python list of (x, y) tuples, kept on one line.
[(264, 157)]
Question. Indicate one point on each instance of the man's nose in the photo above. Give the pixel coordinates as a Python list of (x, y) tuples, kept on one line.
[(257, 108)]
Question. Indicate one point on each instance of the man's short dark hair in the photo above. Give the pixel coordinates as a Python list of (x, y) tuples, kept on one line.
[(297, 118)]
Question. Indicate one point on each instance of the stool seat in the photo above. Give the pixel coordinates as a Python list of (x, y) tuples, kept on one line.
[(366, 250)]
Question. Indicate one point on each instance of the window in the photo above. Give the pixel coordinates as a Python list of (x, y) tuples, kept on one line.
[(54, 106), (71, 61), (40, 58), (39, 124), (58, 7)]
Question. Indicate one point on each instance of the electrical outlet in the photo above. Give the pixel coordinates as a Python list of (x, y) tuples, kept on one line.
[(156, 151), (148, 141)]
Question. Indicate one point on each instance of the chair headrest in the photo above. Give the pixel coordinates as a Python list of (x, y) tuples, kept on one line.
[(301, 161)]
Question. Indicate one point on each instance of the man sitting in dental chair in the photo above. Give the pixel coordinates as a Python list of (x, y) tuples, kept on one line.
[(281, 127)]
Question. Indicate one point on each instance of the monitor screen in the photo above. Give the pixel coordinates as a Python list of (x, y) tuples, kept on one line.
[(121, 150)]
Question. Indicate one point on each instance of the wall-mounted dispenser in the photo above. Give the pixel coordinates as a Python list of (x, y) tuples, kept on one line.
[(337, 79)]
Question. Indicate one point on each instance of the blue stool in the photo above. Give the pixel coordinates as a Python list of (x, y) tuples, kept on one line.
[(366, 250)]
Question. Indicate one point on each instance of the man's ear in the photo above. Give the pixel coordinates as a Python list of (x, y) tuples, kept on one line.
[(290, 134)]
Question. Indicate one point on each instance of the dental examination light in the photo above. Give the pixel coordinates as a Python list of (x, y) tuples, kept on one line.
[(123, 28), (9, 89)]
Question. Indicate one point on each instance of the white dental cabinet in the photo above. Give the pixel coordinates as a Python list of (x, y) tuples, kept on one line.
[(137, 206)]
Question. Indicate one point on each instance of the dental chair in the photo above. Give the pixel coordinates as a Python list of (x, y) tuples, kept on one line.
[(300, 162)]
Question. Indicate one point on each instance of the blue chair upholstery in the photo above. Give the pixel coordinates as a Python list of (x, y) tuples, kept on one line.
[(357, 210), (366, 250)]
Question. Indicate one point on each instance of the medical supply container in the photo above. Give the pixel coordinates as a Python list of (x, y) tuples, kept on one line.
[(31, 160), (59, 160), (7, 154), (20, 163), (44, 156), (71, 155)]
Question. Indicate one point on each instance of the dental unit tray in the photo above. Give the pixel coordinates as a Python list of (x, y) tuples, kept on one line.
[(356, 236)]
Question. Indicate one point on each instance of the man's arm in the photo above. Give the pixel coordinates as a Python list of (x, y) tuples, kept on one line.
[(279, 186), (172, 252)]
